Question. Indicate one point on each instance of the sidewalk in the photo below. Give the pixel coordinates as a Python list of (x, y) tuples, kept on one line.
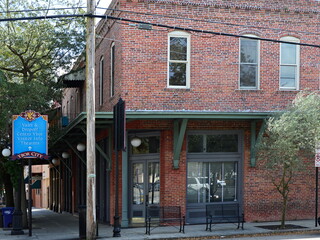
[(48, 225)]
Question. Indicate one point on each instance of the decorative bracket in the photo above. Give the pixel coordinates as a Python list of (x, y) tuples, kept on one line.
[(103, 154), (178, 135), (255, 141)]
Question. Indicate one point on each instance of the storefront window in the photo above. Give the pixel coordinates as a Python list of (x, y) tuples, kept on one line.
[(195, 143), (222, 143), (198, 143), (212, 182)]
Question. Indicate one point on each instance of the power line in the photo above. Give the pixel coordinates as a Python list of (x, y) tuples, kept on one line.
[(41, 10), (206, 21), (160, 15), (157, 25), (204, 31)]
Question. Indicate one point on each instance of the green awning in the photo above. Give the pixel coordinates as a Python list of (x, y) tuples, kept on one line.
[(74, 79)]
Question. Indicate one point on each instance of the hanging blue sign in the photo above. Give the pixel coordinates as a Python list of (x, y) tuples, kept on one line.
[(30, 135)]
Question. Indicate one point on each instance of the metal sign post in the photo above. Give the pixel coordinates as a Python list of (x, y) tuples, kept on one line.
[(317, 165), (30, 198)]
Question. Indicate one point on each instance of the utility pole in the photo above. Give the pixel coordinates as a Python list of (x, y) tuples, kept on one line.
[(91, 136)]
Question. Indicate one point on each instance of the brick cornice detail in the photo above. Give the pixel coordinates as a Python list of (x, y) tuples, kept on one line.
[(232, 5)]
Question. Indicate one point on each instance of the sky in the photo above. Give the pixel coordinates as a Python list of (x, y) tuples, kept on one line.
[(101, 3)]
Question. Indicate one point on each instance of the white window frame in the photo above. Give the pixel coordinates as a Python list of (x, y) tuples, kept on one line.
[(257, 87), (112, 63), (101, 76), (180, 34), (297, 80)]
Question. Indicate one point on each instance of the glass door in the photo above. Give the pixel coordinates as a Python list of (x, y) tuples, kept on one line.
[(145, 188)]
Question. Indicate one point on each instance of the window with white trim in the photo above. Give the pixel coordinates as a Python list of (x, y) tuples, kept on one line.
[(112, 69), (289, 64), (249, 63), (101, 63), (179, 60)]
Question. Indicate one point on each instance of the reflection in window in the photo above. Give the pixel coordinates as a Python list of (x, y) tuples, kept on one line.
[(222, 143), (138, 179), (195, 143), (249, 63), (178, 59), (154, 183), (289, 64), (212, 182), (213, 143)]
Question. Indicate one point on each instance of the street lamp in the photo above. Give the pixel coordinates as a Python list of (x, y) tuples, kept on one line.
[(55, 161), (136, 142), (6, 152), (65, 155), (81, 147)]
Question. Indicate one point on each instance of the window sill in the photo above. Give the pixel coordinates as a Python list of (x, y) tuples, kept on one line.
[(288, 90), (248, 89), (177, 89)]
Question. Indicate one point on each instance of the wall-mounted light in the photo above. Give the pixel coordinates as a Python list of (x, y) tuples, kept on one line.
[(65, 155), (6, 152), (55, 161), (135, 142), (81, 147)]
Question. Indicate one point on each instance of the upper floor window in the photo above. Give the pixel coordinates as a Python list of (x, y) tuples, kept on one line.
[(101, 63), (179, 60), (289, 64), (249, 63), (112, 68)]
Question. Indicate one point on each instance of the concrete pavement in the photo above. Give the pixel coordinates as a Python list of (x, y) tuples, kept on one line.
[(48, 225)]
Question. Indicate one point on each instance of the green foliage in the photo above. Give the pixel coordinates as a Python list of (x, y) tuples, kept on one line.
[(34, 50), (290, 138), (14, 169), (32, 54)]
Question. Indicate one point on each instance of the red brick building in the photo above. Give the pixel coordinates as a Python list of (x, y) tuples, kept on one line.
[(198, 78)]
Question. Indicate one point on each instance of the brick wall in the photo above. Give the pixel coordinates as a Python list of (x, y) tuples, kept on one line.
[(214, 59), (261, 201)]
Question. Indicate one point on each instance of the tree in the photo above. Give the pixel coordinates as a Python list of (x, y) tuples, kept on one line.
[(289, 140), (32, 54)]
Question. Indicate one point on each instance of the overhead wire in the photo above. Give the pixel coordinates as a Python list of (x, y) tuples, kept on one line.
[(206, 21), (162, 15), (205, 31), (157, 25), (41, 10)]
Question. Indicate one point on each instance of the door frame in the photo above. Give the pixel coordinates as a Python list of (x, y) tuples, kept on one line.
[(140, 158), (195, 212)]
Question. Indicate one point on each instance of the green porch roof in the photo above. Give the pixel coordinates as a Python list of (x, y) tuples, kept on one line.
[(77, 126)]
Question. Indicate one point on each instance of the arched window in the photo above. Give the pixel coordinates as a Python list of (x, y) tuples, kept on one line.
[(249, 63), (112, 68), (101, 66), (178, 60), (289, 64)]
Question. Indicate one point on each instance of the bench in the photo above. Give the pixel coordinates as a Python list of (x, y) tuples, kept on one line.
[(223, 213), (164, 216)]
